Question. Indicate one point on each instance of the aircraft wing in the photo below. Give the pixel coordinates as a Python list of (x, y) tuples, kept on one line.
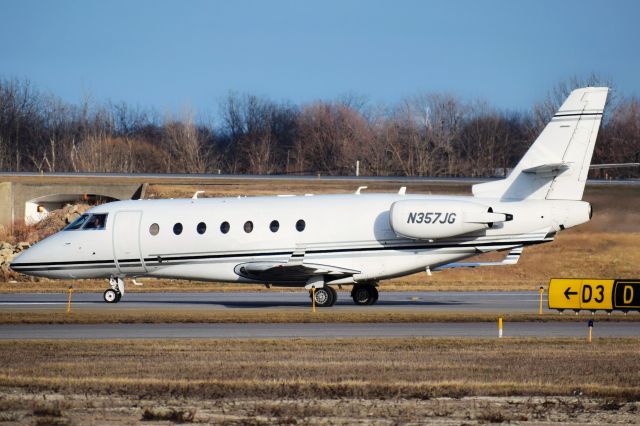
[(289, 271)]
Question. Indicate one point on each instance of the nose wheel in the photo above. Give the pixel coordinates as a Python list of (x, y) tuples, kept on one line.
[(114, 294), (111, 296)]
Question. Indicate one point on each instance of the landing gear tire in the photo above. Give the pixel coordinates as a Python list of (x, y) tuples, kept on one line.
[(334, 295), (325, 297), (116, 290), (111, 296), (365, 294)]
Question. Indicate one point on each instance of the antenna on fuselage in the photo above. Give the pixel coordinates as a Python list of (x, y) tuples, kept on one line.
[(195, 196), (360, 188)]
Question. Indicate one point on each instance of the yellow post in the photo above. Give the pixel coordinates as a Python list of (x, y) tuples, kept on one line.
[(500, 328), (69, 300), (590, 331), (313, 300), (541, 291)]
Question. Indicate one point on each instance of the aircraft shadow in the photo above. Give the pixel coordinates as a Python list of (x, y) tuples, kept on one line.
[(292, 304)]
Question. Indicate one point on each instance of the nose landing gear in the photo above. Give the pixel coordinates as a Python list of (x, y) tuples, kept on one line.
[(114, 294)]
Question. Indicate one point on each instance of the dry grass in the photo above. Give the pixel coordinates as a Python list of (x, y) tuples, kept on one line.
[(117, 315), (332, 381), (235, 188), (420, 368)]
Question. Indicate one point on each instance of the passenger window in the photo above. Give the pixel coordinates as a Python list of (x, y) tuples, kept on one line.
[(274, 226), (201, 228), (224, 227), (96, 222), (300, 225), (154, 229), (177, 228), (248, 226), (76, 224)]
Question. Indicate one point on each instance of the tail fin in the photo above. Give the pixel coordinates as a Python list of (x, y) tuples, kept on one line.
[(556, 165)]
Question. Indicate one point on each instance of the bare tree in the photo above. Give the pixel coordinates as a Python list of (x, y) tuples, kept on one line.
[(185, 145), (424, 135)]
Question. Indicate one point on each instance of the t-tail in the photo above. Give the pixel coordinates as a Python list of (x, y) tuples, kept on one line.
[(557, 164)]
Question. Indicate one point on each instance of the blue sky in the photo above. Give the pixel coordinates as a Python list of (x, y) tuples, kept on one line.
[(171, 55)]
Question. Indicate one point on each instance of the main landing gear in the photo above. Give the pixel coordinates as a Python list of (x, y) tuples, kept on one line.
[(364, 294), (114, 294)]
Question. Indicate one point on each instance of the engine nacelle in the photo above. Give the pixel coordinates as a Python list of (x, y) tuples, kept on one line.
[(433, 219)]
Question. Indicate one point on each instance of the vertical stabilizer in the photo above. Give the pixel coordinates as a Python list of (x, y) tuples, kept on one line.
[(557, 164)]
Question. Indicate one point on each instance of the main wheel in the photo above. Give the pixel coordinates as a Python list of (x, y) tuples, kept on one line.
[(374, 300), (365, 294), (111, 296), (324, 297), (334, 294)]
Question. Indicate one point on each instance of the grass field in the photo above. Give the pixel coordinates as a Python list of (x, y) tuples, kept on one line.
[(117, 315), (327, 381)]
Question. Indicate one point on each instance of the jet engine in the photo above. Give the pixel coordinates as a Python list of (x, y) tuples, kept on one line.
[(433, 219)]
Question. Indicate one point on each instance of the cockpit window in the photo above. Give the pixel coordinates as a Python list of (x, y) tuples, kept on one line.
[(76, 224), (96, 221), (88, 221)]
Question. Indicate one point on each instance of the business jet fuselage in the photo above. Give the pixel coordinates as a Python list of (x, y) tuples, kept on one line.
[(319, 241)]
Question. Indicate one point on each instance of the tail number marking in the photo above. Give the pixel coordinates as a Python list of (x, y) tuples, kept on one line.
[(431, 217)]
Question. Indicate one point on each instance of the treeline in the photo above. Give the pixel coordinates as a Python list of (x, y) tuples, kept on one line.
[(425, 135)]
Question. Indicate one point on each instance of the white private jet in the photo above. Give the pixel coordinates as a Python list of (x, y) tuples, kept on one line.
[(322, 241)]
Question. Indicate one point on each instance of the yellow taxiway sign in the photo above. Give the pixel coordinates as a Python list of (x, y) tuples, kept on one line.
[(594, 294)]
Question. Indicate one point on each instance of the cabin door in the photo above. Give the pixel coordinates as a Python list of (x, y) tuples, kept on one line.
[(126, 242)]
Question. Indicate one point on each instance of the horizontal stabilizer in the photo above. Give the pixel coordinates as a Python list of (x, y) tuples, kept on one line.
[(551, 169), (511, 259)]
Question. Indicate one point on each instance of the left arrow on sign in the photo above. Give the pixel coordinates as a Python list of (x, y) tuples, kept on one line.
[(568, 293)]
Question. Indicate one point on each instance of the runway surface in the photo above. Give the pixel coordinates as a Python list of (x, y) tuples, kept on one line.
[(500, 302), (249, 331)]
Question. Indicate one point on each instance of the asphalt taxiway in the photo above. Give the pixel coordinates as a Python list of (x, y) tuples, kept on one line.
[(501, 302)]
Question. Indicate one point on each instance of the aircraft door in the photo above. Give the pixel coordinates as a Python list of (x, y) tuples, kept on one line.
[(126, 242)]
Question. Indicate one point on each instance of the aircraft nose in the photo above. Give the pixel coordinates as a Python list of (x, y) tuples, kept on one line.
[(30, 261)]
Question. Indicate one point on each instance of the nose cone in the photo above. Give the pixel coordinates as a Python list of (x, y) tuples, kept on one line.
[(32, 261)]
